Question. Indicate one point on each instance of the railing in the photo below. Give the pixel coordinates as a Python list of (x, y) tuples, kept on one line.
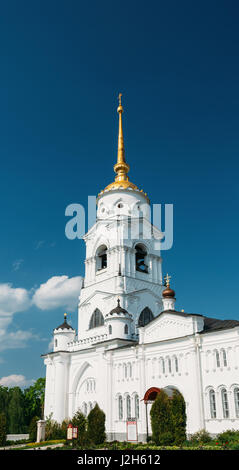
[(86, 342)]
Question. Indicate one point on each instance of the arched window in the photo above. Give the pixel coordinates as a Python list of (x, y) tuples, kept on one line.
[(236, 400), (140, 259), (217, 358), (101, 257), (120, 407), (225, 405), (145, 317), (110, 329), (55, 343), (97, 319), (212, 399), (128, 406), (90, 407), (126, 330), (125, 371), (136, 406), (224, 357)]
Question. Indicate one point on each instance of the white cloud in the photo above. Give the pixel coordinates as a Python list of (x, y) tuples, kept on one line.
[(58, 291), (15, 380)]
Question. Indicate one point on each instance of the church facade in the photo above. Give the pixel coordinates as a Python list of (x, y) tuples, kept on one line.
[(131, 341)]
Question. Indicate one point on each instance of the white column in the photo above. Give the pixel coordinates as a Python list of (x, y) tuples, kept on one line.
[(48, 388), (60, 389)]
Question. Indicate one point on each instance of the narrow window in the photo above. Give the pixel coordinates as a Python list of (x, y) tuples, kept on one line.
[(55, 343), (126, 330), (128, 406), (120, 407), (136, 406), (225, 405), (224, 357), (236, 399), (213, 410), (169, 366), (217, 359), (176, 363), (110, 329)]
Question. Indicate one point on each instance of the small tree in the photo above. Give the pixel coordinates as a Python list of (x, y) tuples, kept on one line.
[(161, 420), (179, 418), (80, 421), (3, 429), (33, 429), (96, 425)]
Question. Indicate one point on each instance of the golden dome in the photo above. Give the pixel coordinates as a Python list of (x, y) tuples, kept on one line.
[(121, 168)]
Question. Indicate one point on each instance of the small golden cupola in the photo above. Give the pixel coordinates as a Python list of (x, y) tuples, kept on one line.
[(121, 168)]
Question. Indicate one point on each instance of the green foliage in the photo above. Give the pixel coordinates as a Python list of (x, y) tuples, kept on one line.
[(96, 426), (161, 419), (80, 421), (54, 430), (34, 400), (33, 429), (201, 436), (168, 419), (179, 418), (228, 436), (3, 429), (16, 418)]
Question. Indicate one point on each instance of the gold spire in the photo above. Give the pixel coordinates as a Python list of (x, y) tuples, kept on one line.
[(121, 168)]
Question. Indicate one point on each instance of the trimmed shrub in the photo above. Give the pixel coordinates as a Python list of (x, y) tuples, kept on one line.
[(33, 429), (179, 418), (3, 429), (161, 419), (96, 426), (80, 421)]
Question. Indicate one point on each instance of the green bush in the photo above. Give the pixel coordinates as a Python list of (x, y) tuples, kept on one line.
[(228, 436), (80, 421), (33, 429), (53, 430), (179, 418), (161, 417), (166, 438), (3, 429), (201, 436), (96, 426)]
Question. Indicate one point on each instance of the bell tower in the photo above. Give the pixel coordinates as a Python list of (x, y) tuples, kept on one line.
[(122, 257)]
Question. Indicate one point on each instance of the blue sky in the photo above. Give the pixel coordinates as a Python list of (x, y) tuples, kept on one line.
[(62, 67)]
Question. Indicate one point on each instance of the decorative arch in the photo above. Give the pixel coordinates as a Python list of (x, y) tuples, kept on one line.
[(151, 394), (145, 317), (96, 320)]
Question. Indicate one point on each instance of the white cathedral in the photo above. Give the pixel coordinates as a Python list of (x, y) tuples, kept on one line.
[(131, 342)]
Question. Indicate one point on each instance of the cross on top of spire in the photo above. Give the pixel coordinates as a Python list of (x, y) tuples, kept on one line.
[(167, 280)]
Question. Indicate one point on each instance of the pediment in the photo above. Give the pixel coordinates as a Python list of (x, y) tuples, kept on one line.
[(169, 326)]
